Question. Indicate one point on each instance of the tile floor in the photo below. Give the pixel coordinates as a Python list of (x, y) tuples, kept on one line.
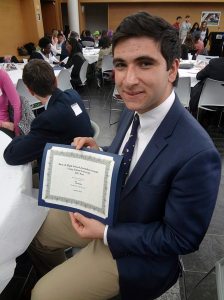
[(197, 264)]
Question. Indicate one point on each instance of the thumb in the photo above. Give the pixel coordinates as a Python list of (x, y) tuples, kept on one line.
[(80, 218)]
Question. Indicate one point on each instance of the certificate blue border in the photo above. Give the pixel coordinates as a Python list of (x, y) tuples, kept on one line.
[(114, 191)]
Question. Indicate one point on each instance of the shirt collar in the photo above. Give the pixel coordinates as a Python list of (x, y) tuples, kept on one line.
[(154, 117), (46, 104)]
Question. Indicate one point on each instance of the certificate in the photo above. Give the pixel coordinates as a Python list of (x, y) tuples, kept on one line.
[(86, 180)]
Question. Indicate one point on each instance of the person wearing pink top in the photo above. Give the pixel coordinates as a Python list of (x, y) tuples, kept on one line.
[(9, 96)]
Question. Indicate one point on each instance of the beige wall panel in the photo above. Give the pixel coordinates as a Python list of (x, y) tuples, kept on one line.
[(169, 11), (153, 1), (32, 19), (49, 17), (12, 27), (18, 24)]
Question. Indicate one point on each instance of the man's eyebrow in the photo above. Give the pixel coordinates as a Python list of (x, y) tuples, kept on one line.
[(137, 59), (115, 60), (145, 57)]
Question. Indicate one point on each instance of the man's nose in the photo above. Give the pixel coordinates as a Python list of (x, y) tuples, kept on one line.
[(131, 76)]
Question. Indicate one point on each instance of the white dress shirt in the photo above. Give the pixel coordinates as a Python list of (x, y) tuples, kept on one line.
[(149, 123)]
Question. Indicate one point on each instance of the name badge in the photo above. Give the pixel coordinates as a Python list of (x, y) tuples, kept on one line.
[(76, 108)]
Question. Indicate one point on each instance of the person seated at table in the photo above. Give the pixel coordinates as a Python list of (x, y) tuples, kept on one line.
[(199, 45), (9, 102), (87, 38), (64, 52), (75, 61), (103, 35), (106, 49), (188, 47), (96, 36), (64, 116), (213, 70), (61, 40), (45, 52)]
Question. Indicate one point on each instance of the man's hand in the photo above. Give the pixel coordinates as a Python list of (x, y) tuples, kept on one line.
[(8, 125), (87, 228), (80, 142)]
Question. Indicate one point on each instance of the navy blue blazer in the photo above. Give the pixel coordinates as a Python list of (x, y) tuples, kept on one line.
[(166, 205), (58, 124)]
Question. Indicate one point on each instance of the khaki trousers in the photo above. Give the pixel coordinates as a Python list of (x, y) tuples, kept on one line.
[(91, 274)]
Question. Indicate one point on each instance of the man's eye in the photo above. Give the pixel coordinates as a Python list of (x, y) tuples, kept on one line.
[(119, 65), (145, 64)]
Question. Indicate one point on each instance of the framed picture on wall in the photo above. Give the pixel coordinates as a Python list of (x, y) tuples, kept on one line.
[(211, 17)]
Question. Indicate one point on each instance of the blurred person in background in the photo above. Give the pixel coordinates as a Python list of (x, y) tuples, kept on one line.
[(45, 52), (9, 101), (75, 61), (185, 28), (177, 23), (106, 49), (195, 29), (204, 32)]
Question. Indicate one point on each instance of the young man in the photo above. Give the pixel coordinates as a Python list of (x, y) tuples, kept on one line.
[(185, 28), (177, 23), (169, 193), (64, 116)]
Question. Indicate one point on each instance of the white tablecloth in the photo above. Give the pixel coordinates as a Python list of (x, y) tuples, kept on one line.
[(197, 66), (20, 216), (15, 75)]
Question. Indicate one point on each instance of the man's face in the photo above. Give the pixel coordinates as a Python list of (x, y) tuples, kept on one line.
[(141, 74)]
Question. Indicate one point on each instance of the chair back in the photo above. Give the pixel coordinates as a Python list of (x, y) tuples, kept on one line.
[(212, 93), (23, 91), (205, 57), (183, 90), (63, 80), (83, 72), (88, 43), (107, 63), (219, 270), (96, 129), (27, 116)]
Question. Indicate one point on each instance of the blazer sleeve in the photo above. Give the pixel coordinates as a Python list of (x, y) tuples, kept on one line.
[(204, 73), (189, 205)]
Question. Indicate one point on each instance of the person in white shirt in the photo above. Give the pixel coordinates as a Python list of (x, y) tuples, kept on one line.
[(184, 29), (45, 51), (168, 195)]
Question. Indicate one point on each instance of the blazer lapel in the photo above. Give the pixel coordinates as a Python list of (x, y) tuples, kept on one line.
[(155, 146), (122, 129)]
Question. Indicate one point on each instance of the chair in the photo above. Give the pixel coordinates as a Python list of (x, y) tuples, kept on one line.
[(83, 79), (219, 268), (96, 129), (205, 57), (114, 96), (64, 80), (27, 116), (88, 43), (183, 90), (211, 97), (107, 67), (23, 91)]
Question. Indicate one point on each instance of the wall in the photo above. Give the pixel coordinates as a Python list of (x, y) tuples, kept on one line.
[(97, 21), (18, 24), (169, 11)]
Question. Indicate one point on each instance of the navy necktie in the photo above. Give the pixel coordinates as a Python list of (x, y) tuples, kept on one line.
[(129, 147)]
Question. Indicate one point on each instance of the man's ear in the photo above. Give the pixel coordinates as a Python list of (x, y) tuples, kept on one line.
[(174, 70)]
